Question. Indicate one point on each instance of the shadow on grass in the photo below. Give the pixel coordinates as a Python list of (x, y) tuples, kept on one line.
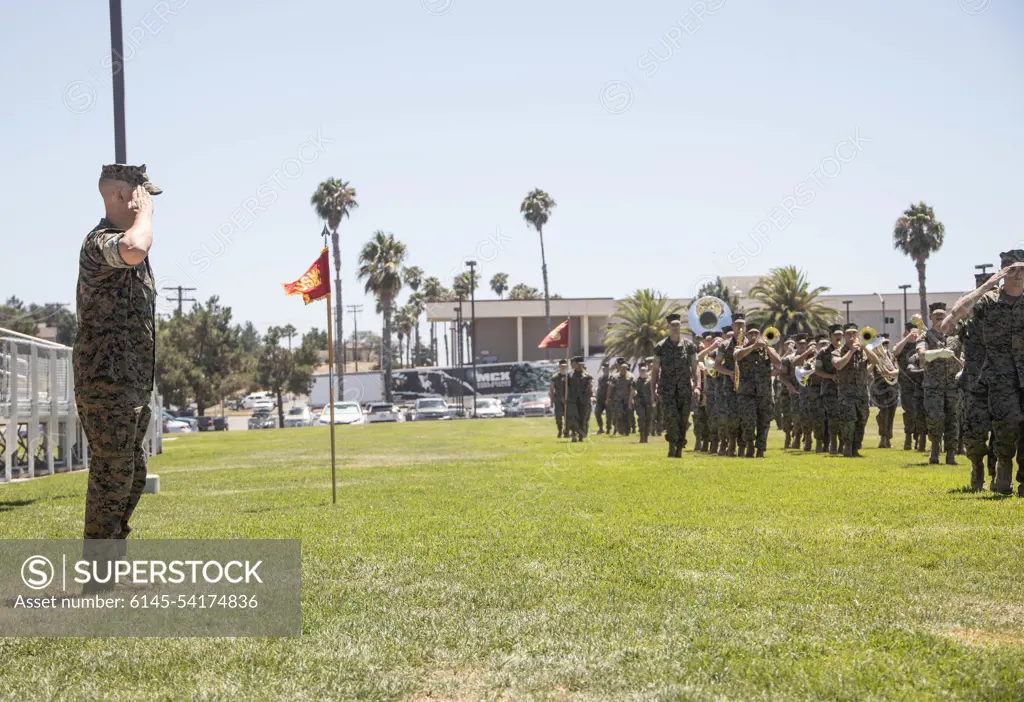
[(12, 504)]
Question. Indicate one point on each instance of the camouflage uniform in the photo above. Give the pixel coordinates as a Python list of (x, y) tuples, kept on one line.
[(114, 360), (675, 386), (642, 404), (815, 418), (729, 419), (700, 413), (581, 389), (602, 402), (940, 393), (786, 397), (622, 388), (853, 401), (976, 421), (1001, 319), (557, 393), (754, 400), (825, 362), (911, 395), (712, 385)]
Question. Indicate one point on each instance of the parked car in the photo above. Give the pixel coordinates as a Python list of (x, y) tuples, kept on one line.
[(511, 404), (344, 413), (430, 408), (383, 412), (192, 422), (249, 401), (263, 419), (298, 417), (173, 425), (535, 404), (264, 404), (208, 423), (487, 408)]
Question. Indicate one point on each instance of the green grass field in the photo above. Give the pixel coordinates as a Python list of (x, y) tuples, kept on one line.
[(488, 560)]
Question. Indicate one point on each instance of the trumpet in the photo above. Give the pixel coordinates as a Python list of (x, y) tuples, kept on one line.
[(771, 336), (870, 338)]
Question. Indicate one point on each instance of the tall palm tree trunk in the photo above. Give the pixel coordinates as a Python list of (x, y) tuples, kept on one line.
[(386, 360), (339, 317), (921, 289), (547, 295), (447, 356), (416, 346)]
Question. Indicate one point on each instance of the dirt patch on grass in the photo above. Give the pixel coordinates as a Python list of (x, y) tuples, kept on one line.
[(459, 685), (978, 637)]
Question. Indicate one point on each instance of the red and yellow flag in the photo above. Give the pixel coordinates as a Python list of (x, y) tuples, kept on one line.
[(315, 284), (557, 338)]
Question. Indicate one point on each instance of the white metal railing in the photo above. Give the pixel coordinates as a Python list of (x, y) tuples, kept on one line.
[(40, 432)]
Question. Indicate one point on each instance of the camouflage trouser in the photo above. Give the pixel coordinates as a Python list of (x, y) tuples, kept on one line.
[(620, 414), (578, 417), (785, 405), (940, 410), (816, 412), (675, 407), (1006, 404), (755, 417), (798, 410), (833, 414), (644, 418), (912, 401), (853, 412), (115, 420), (885, 418), (712, 415), (977, 423), (728, 419), (700, 424), (559, 407), (599, 409)]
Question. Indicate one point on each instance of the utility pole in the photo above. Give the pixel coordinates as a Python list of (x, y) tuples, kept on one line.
[(882, 300), (983, 268), (355, 309), (904, 288), (472, 328), (847, 303), (181, 298)]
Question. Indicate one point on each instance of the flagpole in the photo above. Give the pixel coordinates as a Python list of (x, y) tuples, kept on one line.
[(565, 391), (330, 376)]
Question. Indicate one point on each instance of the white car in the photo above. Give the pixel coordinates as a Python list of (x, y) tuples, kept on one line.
[(173, 425), (298, 417), (535, 404), (250, 401), (383, 412), (488, 408), (263, 404), (430, 408), (344, 413)]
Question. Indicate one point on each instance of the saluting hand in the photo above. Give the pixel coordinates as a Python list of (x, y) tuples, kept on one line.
[(142, 202)]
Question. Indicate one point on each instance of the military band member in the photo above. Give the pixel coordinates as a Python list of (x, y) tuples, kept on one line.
[(755, 360), (911, 391), (621, 389), (642, 401), (602, 398), (885, 394), (825, 369), (852, 378), (938, 354), (789, 391), (802, 409), (556, 392), (975, 418), (1000, 316), (712, 391), (725, 366), (701, 420), (672, 378), (581, 389), (815, 403)]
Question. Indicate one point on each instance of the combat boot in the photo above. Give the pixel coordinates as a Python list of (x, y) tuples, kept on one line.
[(679, 450), (848, 450), (759, 454), (1002, 484), (797, 437), (934, 458), (749, 451), (908, 442), (951, 458), (787, 441), (808, 438), (559, 433), (671, 450), (922, 443), (714, 447), (977, 476)]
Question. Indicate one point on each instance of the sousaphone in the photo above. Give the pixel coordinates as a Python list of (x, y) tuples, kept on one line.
[(709, 314)]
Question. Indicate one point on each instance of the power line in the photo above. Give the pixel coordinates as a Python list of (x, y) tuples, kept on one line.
[(181, 299), (354, 309)]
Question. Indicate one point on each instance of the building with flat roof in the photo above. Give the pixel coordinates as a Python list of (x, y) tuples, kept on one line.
[(509, 330)]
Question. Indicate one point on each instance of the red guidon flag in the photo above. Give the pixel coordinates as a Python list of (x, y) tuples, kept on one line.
[(315, 284), (557, 338)]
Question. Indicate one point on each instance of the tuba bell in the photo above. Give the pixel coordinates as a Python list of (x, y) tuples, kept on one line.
[(771, 336), (803, 374), (870, 338), (709, 314)]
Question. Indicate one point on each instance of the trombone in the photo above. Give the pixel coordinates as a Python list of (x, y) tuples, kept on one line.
[(871, 340), (771, 336)]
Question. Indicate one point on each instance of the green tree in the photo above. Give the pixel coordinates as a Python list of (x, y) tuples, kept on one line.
[(787, 302), (281, 370), (317, 338), (719, 289), (249, 337), (381, 268), (16, 317), (918, 234), (465, 283), (536, 210), (499, 284), (333, 201), (638, 324), (522, 291), (433, 292)]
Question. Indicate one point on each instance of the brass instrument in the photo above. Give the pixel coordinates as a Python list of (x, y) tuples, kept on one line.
[(771, 336), (870, 338), (918, 322), (871, 341), (709, 366), (709, 314), (803, 374)]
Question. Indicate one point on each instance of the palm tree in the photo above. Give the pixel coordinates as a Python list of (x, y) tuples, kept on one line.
[(465, 283), (404, 323), (918, 234), (536, 210), (416, 306), (381, 268), (499, 284), (638, 324), (433, 292), (333, 200), (522, 291), (787, 302)]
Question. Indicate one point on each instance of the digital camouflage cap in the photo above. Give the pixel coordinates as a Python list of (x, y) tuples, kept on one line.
[(133, 175)]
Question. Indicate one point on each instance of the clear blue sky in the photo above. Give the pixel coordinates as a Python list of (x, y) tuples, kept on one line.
[(444, 113)]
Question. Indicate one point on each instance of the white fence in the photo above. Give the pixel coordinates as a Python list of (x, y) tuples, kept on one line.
[(40, 433)]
